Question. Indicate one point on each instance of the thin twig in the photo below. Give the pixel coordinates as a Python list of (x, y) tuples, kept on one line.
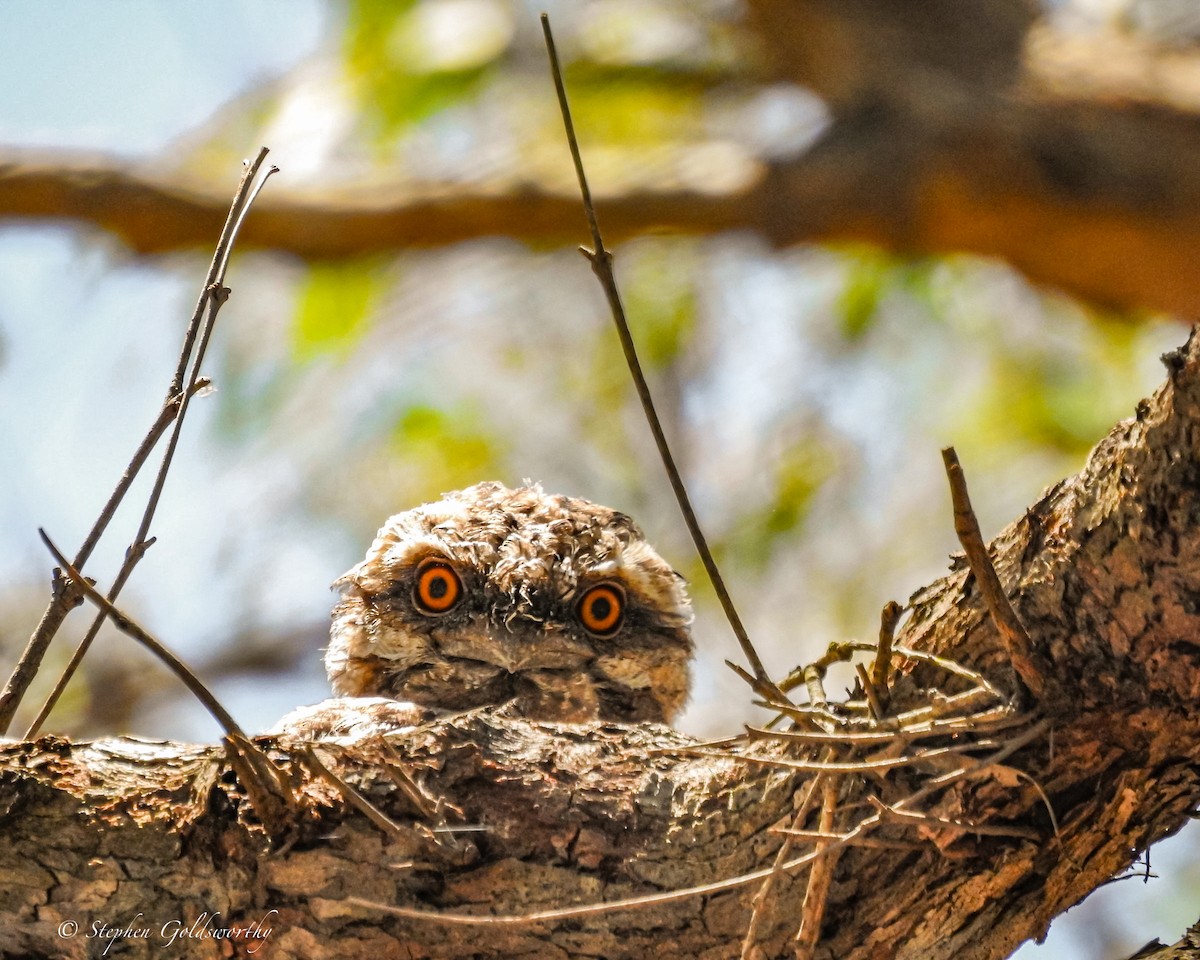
[(225, 246), (758, 906), (266, 786), (394, 767), (216, 269), (353, 797), (1029, 665), (877, 843), (814, 684), (812, 675), (601, 261), (196, 340), (819, 717), (1045, 800), (881, 670), (849, 766), (265, 783), (984, 722), (950, 666), (929, 820), (974, 706), (141, 541), (720, 742), (868, 687), (592, 909), (765, 689), (128, 626), (940, 783), (62, 600), (820, 877)]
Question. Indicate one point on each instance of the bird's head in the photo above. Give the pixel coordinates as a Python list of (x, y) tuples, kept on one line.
[(493, 595)]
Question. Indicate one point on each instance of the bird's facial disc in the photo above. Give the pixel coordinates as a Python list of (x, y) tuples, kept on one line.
[(494, 595)]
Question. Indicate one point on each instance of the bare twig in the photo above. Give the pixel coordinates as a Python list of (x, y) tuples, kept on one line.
[(196, 339), (929, 820), (353, 797), (1032, 781), (762, 895), (63, 599), (864, 680), (944, 663), (814, 684), (1024, 738), (812, 675), (601, 261), (759, 905), (265, 783), (1029, 665), (127, 626), (216, 269), (876, 843), (983, 722), (820, 877), (765, 689), (397, 772), (849, 766), (595, 909), (882, 667)]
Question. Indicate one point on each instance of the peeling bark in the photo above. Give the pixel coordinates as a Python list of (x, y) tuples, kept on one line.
[(1186, 949), (1104, 571)]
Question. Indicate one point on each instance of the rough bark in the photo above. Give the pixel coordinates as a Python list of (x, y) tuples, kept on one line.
[(1104, 572), (955, 127), (1186, 949)]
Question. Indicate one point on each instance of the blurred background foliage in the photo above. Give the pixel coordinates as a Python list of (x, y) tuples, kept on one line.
[(807, 389)]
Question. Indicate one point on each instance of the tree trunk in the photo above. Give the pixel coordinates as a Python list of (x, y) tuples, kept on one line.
[(134, 841)]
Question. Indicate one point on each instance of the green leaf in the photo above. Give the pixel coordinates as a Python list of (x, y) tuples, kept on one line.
[(799, 472), (661, 301), (405, 69), (333, 308), (634, 106), (867, 277), (452, 446)]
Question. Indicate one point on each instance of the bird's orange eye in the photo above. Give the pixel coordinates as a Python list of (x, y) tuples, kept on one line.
[(437, 588), (601, 609)]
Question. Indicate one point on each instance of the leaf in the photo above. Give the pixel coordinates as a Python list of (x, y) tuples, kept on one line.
[(799, 472), (333, 308), (410, 61), (451, 446), (635, 106), (661, 301), (868, 275)]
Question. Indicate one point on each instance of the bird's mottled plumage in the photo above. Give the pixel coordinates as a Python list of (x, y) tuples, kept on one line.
[(523, 560)]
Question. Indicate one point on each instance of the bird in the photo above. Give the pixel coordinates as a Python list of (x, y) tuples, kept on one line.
[(552, 605)]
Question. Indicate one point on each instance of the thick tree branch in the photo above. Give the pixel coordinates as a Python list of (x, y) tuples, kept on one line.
[(956, 127), (1103, 572)]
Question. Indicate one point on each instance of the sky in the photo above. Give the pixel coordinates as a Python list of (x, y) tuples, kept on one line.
[(77, 309), (129, 76)]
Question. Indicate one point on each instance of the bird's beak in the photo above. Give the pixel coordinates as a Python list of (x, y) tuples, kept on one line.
[(523, 648)]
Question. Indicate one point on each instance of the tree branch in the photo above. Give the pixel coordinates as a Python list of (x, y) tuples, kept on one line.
[(1021, 147)]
